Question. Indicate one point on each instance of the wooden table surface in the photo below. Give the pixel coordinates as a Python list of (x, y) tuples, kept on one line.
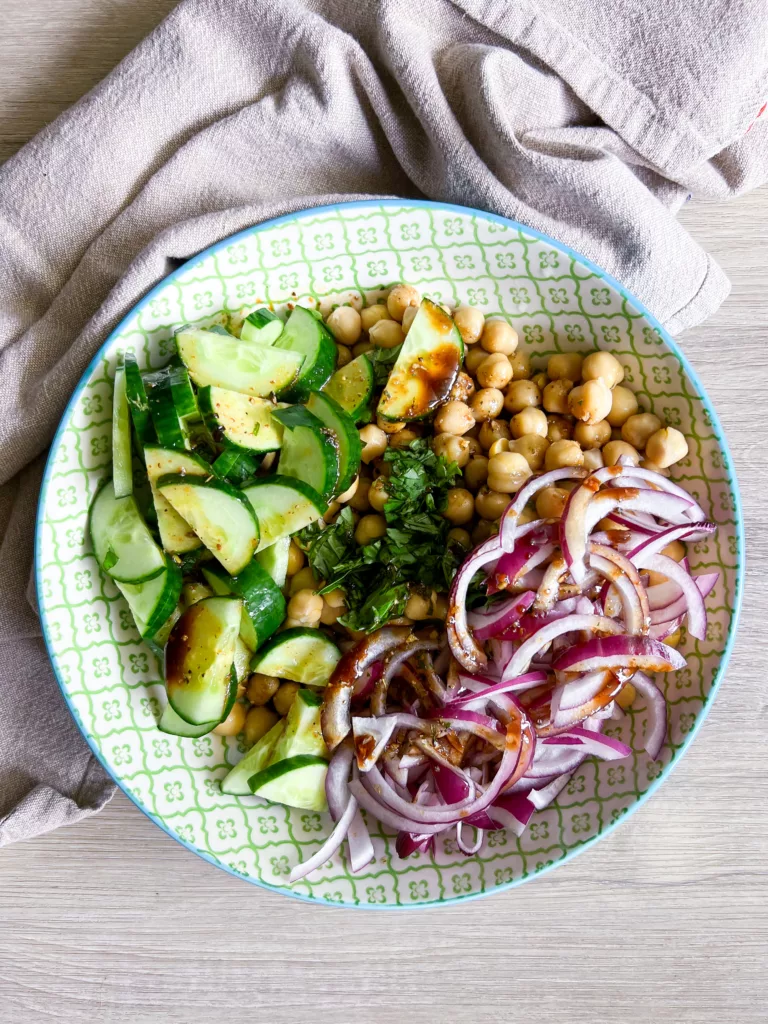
[(664, 921)]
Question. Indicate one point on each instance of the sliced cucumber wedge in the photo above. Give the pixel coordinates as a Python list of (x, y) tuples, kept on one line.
[(240, 421), (219, 514), (302, 655), (153, 603), (176, 535), (225, 362), (122, 469), (348, 446), (303, 733), (283, 506), (137, 400), (296, 782), (236, 466), (263, 326), (352, 387), (175, 725), (275, 560), (306, 334), (309, 451), (122, 543), (236, 783), (168, 426), (183, 394), (198, 660), (242, 662), (263, 602), (426, 368)]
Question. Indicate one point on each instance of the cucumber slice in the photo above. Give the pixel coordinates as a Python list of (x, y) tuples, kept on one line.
[(240, 421), (235, 466), (138, 402), (426, 368), (275, 560), (219, 514), (174, 724), (302, 655), (176, 535), (296, 782), (236, 783), (283, 506), (192, 592), (198, 659), (242, 662), (309, 450), (121, 540), (183, 394), (122, 468), (306, 334), (225, 362), (303, 733), (348, 445), (263, 602), (263, 326), (166, 420), (352, 387), (153, 603)]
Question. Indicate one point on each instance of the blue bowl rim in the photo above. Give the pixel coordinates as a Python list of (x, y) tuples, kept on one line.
[(671, 345)]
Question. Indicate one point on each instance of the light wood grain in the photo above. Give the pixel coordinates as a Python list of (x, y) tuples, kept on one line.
[(665, 921)]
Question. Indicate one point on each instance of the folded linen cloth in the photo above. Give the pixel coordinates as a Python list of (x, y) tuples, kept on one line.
[(590, 121)]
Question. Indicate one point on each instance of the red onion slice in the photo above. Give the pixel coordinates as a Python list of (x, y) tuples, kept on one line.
[(657, 714), (653, 545), (620, 652), (392, 663), (508, 531), (329, 847), (465, 648), (411, 842), (500, 616), (542, 798), (470, 849), (336, 779), (528, 650), (371, 735), (697, 612), (587, 742)]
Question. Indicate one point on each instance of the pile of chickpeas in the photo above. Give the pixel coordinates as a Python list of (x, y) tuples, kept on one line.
[(503, 422)]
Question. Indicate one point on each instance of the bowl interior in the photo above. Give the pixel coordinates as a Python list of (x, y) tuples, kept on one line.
[(557, 301)]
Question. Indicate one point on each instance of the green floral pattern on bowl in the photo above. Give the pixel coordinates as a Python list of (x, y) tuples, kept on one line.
[(557, 301)]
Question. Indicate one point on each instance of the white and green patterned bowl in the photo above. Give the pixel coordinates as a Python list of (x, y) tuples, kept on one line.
[(557, 301)]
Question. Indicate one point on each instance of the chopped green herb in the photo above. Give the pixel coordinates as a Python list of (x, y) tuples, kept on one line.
[(110, 558)]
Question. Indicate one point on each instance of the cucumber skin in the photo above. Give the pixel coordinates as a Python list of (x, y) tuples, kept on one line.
[(163, 610), (324, 447), (280, 768), (217, 430), (138, 402), (311, 376), (284, 637), (261, 597), (163, 410), (331, 414)]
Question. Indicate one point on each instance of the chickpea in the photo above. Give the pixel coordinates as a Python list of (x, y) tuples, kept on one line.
[(329, 616), (408, 317), (374, 442), (258, 722), (533, 448), (490, 504), (475, 448), (284, 698), (460, 537), (495, 371), (482, 531), (602, 366), (452, 448), (529, 421), (565, 365), (647, 464), (623, 405), (625, 698), (377, 494), (459, 506), (361, 348), (590, 402), (233, 723), (491, 431), (417, 606), (350, 492), (386, 334), (470, 322), (473, 358), (261, 689), (555, 397), (439, 606), (370, 528), (360, 501), (304, 579), (502, 445), (593, 459), (345, 325), (454, 418), (521, 365), (295, 558), (550, 502), (521, 394), (463, 388), (372, 314), (305, 607), (540, 380), (615, 433), (638, 428), (343, 356), (507, 472), (499, 336), (674, 550), (476, 472), (613, 451), (563, 453), (559, 428), (592, 435), (389, 426), (486, 404), (665, 447), (404, 437), (400, 298)]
